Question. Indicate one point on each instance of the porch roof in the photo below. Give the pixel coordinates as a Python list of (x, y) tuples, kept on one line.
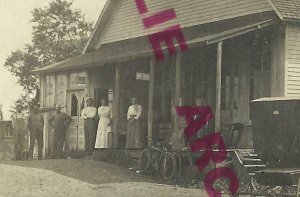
[(139, 47)]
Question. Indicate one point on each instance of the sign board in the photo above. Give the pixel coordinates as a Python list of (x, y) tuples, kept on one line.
[(142, 76), (78, 80)]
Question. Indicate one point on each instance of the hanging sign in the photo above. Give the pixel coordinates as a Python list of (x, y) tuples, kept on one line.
[(142, 76)]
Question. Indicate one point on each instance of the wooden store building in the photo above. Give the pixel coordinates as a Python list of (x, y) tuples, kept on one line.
[(238, 50)]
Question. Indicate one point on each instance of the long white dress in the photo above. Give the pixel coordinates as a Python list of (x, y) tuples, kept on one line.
[(102, 133)]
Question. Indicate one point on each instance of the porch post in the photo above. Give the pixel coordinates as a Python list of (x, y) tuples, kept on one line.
[(177, 135), (87, 83), (151, 93), (218, 88), (116, 104)]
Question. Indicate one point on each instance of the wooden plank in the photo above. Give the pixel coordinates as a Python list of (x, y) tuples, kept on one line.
[(151, 96), (52, 82), (116, 104), (293, 57), (218, 88), (177, 135), (292, 78), (42, 89), (293, 83), (293, 74)]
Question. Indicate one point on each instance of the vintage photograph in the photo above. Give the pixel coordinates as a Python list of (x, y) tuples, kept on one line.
[(150, 98)]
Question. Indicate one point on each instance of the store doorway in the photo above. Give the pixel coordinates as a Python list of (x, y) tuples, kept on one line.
[(75, 138)]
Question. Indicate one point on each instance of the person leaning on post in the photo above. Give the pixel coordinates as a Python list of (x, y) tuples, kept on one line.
[(59, 122), (89, 114), (35, 125)]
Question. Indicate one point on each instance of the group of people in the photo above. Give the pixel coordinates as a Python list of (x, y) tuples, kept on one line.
[(35, 125), (97, 137), (97, 125)]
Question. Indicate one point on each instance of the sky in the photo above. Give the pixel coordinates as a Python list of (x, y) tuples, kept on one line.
[(15, 28)]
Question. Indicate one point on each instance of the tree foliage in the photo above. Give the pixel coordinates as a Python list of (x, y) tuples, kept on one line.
[(59, 32)]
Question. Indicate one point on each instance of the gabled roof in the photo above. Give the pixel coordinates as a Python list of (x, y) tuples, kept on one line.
[(126, 23), (119, 27), (286, 9)]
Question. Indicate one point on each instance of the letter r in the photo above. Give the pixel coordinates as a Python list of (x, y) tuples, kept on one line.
[(207, 143), (216, 174), (204, 113)]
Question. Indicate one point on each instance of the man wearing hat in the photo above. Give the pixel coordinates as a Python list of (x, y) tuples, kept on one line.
[(59, 122), (18, 122), (90, 125), (35, 125)]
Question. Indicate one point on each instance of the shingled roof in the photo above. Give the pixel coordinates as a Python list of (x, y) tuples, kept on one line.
[(287, 9)]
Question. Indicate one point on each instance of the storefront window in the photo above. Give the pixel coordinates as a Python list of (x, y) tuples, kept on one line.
[(77, 80)]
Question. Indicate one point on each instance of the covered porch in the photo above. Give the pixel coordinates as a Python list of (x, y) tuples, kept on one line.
[(228, 64)]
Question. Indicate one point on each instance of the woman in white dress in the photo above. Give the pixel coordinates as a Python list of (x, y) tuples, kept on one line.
[(104, 114)]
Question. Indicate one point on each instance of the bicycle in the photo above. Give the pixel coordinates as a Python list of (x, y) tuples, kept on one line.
[(156, 157)]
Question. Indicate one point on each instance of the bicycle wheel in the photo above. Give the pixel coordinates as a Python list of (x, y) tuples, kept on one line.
[(145, 160), (169, 167), (179, 167)]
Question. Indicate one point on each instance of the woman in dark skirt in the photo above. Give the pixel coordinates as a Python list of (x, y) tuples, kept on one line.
[(134, 138)]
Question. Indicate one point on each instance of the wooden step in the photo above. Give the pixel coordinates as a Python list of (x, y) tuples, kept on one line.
[(254, 168), (247, 161), (251, 166)]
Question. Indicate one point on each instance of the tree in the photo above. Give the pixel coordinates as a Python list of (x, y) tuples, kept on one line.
[(59, 32)]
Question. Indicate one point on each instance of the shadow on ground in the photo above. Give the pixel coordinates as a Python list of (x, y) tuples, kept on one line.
[(90, 171)]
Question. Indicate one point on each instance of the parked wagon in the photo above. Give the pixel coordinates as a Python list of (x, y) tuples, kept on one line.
[(273, 169)]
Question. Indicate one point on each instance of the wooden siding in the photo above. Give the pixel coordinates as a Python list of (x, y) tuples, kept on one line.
[(293, 60), (126, 23), (61, 90), (49, 90), (100, 79)]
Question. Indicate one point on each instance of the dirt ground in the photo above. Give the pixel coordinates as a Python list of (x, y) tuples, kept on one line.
[(81, 178)]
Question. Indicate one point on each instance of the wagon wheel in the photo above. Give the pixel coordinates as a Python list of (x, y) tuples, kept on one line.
[(289, 190), (247, 186), (283, 191)]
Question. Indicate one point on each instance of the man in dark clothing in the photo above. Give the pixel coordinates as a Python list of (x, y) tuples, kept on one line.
[(20, 132), (60, 122), (89, 115), (35, 125)]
